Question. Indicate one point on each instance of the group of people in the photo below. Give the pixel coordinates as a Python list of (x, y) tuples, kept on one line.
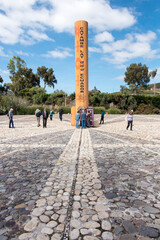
[(83, 118), (45, 116)]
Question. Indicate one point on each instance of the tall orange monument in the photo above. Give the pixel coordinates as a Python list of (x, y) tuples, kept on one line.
[(81, 68)]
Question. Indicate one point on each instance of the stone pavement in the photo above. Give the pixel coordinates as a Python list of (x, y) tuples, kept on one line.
[(67, 183)]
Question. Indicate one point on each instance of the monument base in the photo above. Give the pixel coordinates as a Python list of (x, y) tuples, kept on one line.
[(73, 116)]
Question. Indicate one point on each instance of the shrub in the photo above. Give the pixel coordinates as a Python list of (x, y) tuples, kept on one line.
[(142, 99), (30, 110), (114, 111), (146, 109), (2, 112), (65, 110), (156, 101), (97, 110), (10, 101), (72, 96)]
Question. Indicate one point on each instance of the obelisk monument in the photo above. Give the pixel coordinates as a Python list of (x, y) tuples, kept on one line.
[(81, 68)]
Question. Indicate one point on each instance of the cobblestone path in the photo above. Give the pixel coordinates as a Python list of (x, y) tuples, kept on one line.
[(66, 183)]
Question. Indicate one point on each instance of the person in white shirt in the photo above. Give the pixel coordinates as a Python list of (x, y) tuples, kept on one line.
[(130, 120)]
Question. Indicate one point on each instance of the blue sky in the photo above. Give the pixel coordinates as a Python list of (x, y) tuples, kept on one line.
[(42, 33)]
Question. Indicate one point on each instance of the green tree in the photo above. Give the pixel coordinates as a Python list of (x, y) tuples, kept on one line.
[(38, 95), (21, 76), (47, 75), (123, 89), (3, 88), (137, 75), (72, 96), (15, 66)]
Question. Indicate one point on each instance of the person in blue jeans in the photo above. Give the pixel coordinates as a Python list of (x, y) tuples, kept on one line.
[(83, 119), (102, 117), (10, 115), (77, 119)]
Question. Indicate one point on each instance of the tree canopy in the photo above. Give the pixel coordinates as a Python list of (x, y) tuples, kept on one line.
[(138, 75), (21, 76), (47, 75), (3, 87)]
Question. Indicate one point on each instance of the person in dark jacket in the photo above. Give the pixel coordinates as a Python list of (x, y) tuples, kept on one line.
[(83, 119), (38, 115), (60, 113), (77, 119), (102, 117), (10, 115), (51, 114), (45, 116), (88, 119)]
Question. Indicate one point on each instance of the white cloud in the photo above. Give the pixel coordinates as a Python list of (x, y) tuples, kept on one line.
[(27, 21), (2, 54), (4, 72), (94, 49), (120, 78), (59, 53), (22, 53), (133, 46), (149, 36), (104, 37), (38, 35)]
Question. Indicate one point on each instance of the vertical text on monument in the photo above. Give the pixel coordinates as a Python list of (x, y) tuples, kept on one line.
[(81, 63), (81, 60)]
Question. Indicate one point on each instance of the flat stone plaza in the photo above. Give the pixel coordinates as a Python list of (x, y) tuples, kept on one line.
[(61, 182)]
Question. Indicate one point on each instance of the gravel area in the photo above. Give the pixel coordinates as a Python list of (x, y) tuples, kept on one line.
[(67, 183)]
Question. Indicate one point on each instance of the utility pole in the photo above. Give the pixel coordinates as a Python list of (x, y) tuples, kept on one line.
[(65, 100), (154, 87)]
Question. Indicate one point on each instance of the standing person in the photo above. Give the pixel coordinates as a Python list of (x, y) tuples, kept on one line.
[(45, 116), (38, 115), (51, 114), (102, 117), (10, 115), (130, 120), (88, 119), (83, 118), (60, 113), (77, 119)]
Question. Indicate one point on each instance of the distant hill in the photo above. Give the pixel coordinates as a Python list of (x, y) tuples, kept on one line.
[(157, 85)]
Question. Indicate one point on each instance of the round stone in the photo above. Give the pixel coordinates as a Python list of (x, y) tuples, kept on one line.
[(77, 198), (52, 224), (74, 234), (60, 228), (31, 225), (106, 225), (91, 224), (38, 211), (44, 218), (107, 236), (41, 202), (25, 236), (100, 208), (56, 237), (90, 238), (46, 230), (103, 215), (75, 223), (42, 237), (75, 214)]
